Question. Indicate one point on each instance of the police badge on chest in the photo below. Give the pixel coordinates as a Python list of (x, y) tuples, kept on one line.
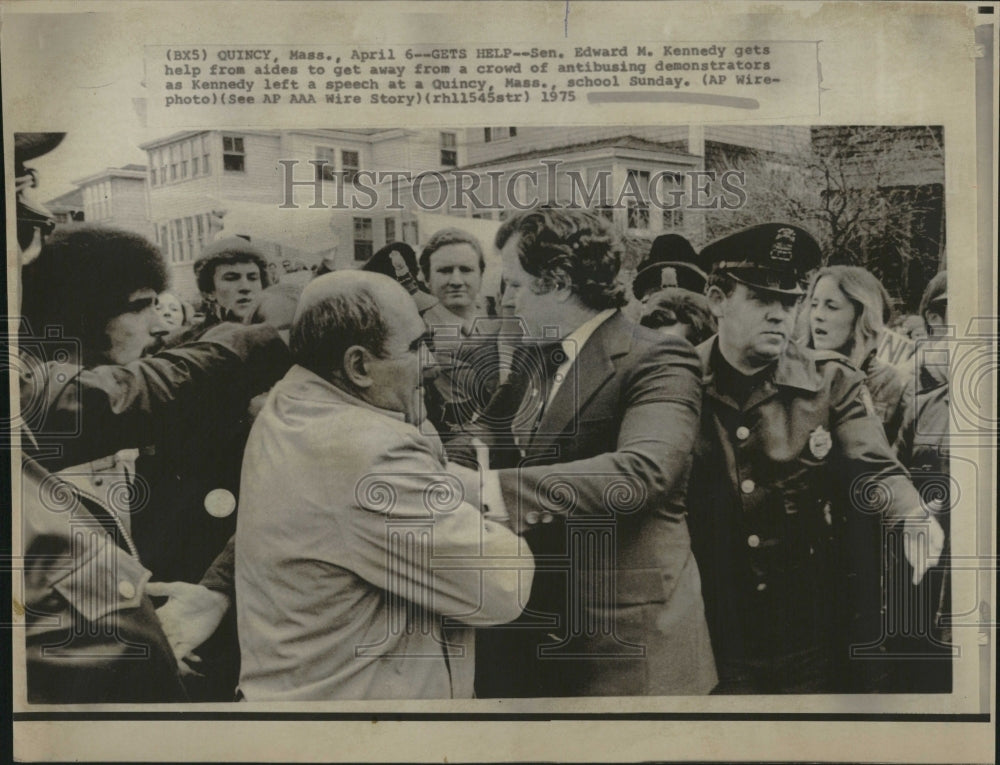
[(820, 442)]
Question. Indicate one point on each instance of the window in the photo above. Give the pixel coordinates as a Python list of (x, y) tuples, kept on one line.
[(390, 230), (202, 224), (672, 196), (164, 242), (351, 162), (189, 238), (233, 154), (328, 171), (638, 210), (178, 244), (152, 177), (174, 159), (498, 133), (204, 154), (363, 243), (411, 233), (449, 152), (194, 166)]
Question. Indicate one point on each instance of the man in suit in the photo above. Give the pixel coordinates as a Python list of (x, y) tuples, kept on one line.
[(598, 451)]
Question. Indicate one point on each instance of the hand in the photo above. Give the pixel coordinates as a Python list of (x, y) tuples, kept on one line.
[(471, 482), (923, 541), (190, 615)]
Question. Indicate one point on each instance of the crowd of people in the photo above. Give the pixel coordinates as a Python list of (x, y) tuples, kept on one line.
[(378, 484)]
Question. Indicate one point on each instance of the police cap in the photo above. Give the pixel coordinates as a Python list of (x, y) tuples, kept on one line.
[(776, 257), (671, 262)]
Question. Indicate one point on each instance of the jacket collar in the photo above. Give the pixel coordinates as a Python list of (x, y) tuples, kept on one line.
[(593, 366), (795, 368), (301, 384)]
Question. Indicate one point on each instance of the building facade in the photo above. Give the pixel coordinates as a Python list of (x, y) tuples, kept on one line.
[(116, 196)]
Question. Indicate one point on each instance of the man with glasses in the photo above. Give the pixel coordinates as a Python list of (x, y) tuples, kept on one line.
[(358, 558)]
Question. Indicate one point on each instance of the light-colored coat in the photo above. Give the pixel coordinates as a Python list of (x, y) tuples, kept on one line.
[(352, 543)]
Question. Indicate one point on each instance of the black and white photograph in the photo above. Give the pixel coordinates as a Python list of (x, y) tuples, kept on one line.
[(333, 420)]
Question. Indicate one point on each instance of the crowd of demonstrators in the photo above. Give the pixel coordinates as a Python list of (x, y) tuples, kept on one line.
[(697, 489), (109, 422)]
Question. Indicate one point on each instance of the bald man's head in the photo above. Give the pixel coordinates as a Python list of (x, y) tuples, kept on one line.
[(349, 308)]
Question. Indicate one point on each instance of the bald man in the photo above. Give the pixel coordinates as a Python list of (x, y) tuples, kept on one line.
[(353, 541)]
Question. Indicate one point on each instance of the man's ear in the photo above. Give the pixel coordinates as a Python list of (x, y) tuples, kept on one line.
[(716, 300), (356, 361), (563, 288)]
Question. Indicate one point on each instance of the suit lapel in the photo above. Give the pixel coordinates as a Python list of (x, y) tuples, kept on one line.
[(594, 366)]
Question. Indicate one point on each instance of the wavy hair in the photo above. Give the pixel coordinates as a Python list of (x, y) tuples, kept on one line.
[(871, 306), (557, 246), (83, 277)]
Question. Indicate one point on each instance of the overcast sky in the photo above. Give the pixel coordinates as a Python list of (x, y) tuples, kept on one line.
[(79, 74)]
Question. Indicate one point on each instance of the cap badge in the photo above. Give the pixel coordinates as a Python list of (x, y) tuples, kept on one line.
[(820, 442), (668, 277), (784, 241)]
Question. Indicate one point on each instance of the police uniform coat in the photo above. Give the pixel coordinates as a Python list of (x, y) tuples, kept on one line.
[(786, 496), (616, 605)]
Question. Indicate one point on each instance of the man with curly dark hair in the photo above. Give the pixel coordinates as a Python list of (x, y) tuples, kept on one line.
[(97, 285), (593, 478)]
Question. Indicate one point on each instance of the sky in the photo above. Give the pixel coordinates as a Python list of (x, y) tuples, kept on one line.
[(80, 74)]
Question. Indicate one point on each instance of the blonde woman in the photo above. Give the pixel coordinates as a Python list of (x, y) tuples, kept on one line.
[(846, 310)]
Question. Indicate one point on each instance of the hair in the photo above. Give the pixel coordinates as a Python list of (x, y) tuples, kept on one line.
[(186, 310), (556, 245), (443, 238), (871, 302), (83, 277), (937, 288), (721, 280), (683, 306), (228, 252), (323, 332)]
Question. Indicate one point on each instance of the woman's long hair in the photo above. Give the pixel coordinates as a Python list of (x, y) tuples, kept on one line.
[(871, 305)]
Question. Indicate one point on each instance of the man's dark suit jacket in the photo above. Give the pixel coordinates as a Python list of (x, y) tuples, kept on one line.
[(599, 495)]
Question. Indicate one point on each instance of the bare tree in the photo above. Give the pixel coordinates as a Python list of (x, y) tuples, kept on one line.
[(872, 196)]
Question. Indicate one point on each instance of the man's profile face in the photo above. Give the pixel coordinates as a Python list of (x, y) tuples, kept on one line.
[(136, 329), (537, 311), (397, 375), (237, 288), (755, 323), (454, 277)]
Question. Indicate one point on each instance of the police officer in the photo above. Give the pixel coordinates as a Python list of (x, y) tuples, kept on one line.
[(792, 477)]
